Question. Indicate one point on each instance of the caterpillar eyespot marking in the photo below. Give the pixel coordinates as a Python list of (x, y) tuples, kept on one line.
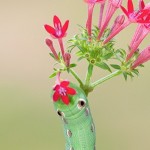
[(60, 113), (81, 103)]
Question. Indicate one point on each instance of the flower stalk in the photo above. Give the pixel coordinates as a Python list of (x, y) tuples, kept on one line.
[(89, 75), (114, 74), (76, 77)]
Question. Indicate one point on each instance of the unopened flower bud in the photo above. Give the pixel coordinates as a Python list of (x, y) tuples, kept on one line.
[(120, 19), (118, 22), (67, 57), (50, 45)]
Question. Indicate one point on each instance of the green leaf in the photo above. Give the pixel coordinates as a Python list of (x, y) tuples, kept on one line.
[(71, 48), (79, 53), (52, 55), (135, 71), (125, 75), (120, 54), (107, 56), (103, 66), (68, 70), (115, 66), (81, 48), (53, 75), (141, 65), (59, 55), (73, 65), (80, 58), (130, 74)]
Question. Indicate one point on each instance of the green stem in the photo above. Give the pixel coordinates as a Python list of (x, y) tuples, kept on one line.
[(116, 73), (76, 76), (88, 75)]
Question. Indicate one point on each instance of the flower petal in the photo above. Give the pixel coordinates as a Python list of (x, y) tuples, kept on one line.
[(147, 20), (64, 83), (124, 10), (57, 22), (141, 4), (49, 29), (65, 99), (65, 27), (56, 96), (71, 91), (56, 87), (130, 6)]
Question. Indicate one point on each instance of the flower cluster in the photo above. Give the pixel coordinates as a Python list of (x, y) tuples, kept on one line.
[(141, 17), (96, 45)]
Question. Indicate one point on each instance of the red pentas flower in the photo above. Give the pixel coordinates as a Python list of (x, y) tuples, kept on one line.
[(135, 15), (58, 31), (62, 91)]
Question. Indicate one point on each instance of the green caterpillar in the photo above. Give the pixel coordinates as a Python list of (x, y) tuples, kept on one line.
[(79, 129)]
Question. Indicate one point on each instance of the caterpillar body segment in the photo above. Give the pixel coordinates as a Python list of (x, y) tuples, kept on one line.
[(79, 129)]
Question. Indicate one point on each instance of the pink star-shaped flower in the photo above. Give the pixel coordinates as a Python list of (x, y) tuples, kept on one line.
[(135, 15), (62, 91), (58, 31)]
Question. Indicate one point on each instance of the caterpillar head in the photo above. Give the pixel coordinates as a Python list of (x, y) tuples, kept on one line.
[(78, 104)]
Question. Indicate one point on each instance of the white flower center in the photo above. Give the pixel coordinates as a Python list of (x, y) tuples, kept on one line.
[(62, 91), (58, 29)]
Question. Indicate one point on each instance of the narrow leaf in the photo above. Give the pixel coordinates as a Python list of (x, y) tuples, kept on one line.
[(72, 65), (115, 66), (107, 56), (103, 66), (135, 71), (80, 58), (125, 75), (52, 55), (53, 75)]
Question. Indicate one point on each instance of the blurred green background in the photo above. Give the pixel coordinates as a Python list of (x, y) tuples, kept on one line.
[(121, 110)]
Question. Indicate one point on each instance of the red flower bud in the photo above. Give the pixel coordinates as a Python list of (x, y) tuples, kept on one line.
[(50, 45), (67, 57)]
